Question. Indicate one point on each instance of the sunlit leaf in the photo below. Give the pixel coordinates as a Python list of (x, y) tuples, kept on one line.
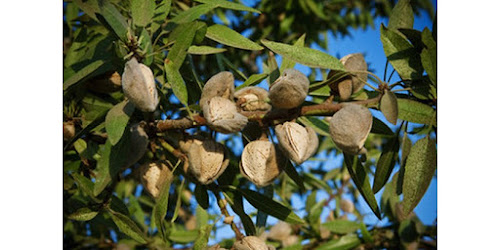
[(401, 16), (108, 14), (320, 126), (204, 50), (287, 63), (175, 79), (389, 106), (181, 236), (420, 167), (142, 11), (83, 74), (252, 80), (346, 242), (184, 38), (307, 56), (341, 226), (202, 240), (416, 112), (128, 226), (429, 55), (160, 209), (83, 214), (386, 163), (227, 36), (193, 13), (117, 119), (229, 5)]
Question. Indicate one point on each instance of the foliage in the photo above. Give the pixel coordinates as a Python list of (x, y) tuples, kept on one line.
[(184, 43)]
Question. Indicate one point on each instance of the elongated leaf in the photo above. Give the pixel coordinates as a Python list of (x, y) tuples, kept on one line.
[(83, 74), (201, 217), (183, 40), (160, 15), (262, 216), (401, 16), (405, 150), (400, 53), (379, 127), (227, 36), (147, 47), (307, 56), (252, 80), (367, 237), (294, 175), (389, 106), (272, 67), (83, 214), (319, 125), (362, 181), (202, 240), (136, 211), (429, 55), (341, 226), (287, 63), (160, 209), (237, 207), (176, 81), (204, 50), (142, 11), (200, 192), (385, 163), (310, 179), (117, 119), (193, 13), (229, 5), (183, 237), (270, 206), (346, 242), (420, 167), (113, 19), (128, 226), (90, 7), (416, 112), (178, 202)]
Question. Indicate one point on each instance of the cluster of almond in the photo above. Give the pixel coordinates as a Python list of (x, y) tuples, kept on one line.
[(261, 161)]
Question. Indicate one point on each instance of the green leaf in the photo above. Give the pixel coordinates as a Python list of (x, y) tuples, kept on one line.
[(362, 181), (319, 125), (183, 237), (306, 56), (128, 226), (136, 210), (117, 119), (272, 67), (113, 19), (261, 219), (416, 112), (341, 226), (294, 175), (401, 16), (379, 127), (389, 106), (227, 36), (84, 74), (178, 203), (204, 50), (84, 184), (192, 14), (201, 216), (237, 207), (346, 242), (310, 179), (113, 158), (90, 7), (200, 192), (385, 163), (271, 207), (429, 55), (229, 5), (142, 11), (419, 170), (160, 209), (83, 214), (367, 237), (202, 240), (400, 53), (160, 15), (183, 40), (252, 80), (287, 63), (174, 78), (146, 47)]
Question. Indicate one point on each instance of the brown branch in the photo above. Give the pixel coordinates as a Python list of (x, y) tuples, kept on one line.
[(272, 117)]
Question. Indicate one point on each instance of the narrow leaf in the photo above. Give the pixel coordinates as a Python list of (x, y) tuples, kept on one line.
[(416, 112), (201, 195), (319, 125), (346, 242), (147, 47), (400, 53), (229, 5), (271, 207), (83, 214), (86, 185), (117, 119), (385, 163), (193, 13), (83, 74), (294, 175), (175, 80), (405, 150), (287, 63), (306, 56), (272, 67), (178, 202), (237, 207), (160, 15), (204, 50), (429, 55), (113, 158), (183, 40), (183, 237), (202, 240), (361, 179), (367, 237), (389, 106), (379, 127), (401, 16), (128, 226), (160, 209), (252, 80), (113, 18), (227, 36), (341, 226), (142, 11), (420, 167), (262, 216)]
